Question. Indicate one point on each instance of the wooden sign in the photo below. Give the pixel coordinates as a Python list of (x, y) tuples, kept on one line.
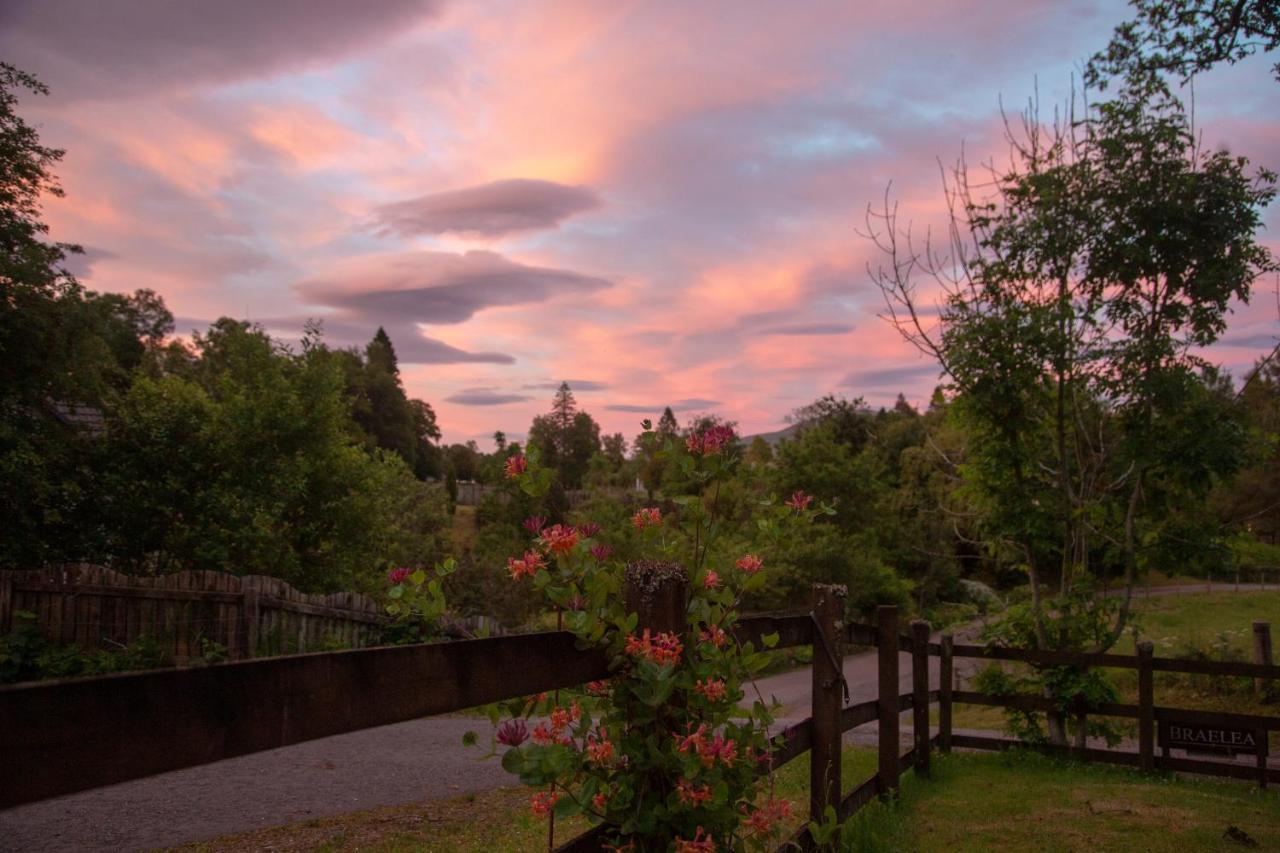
[(1216, 739)]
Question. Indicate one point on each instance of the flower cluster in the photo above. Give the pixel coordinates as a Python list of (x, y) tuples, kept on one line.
[(516, 465), (693, 795), (512, 732), (663, 649), (647, 517), (708, 749), (559, 538), (714, 635), (399, 575), (710, 441), (600, 750), (763, 821), (543, 802), (799, 501), (529, 564), (698, 844), (713, 689), (750, 564)]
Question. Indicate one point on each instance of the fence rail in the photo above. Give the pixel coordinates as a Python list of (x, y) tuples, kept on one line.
[(92, 607)]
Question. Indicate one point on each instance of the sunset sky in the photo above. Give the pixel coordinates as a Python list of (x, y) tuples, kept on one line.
[(658, 202)]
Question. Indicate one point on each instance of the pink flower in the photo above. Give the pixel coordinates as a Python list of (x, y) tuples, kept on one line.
[(799, 500), (516, 465), (542, 802), (663, 649), (559, 539), (698, 844), (597, 688), (648, 517), (712, 688), (588, 530), (399, 575), (599, 751), (764, 820), (711, 581), (513, 733), (710, 441), (750, 564), (534, 524), (529, 564), (691, 794), (600, 802), (601, 552), (715, 636)]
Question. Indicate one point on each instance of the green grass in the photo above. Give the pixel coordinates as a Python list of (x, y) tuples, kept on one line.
[(973, 802)]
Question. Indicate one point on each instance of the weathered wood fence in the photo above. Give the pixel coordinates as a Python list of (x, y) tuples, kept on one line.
[(95, 607), (65, 736)]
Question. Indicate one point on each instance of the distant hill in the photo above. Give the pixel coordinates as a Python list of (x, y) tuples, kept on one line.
[(774, 438)]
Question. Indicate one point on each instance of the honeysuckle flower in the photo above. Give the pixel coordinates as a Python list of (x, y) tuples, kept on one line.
[(647, 517), (534, 524), (799, 500), (664, 648), (513, 732), (750, 564), (712, 688), (597, 688), (543, 802), (698, 844), (764, 820), (718, 749), (715, 636), (710, 441), (711, 581), (601, 552), (516, 465), (399, 575), (599, 751), (586, 531), (559, 539), (691, 794), (600, 801), (529, 564)]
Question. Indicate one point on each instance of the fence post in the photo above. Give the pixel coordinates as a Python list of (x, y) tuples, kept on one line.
[(657, 592), (920, 693), (945, 676), (887, 703), (250, 614), (1261, 653), (828, 661), (1146, 713), (6, 601)]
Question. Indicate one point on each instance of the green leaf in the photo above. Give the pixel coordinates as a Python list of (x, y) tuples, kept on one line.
[(770, 640), (418, 577), (469, 738)]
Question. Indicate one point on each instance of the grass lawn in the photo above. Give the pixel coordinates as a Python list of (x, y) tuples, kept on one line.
[(976, 802), (1220, 624)]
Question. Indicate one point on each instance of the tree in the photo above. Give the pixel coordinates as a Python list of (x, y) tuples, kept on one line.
[(1185, 37), (1081, 282), (653, 467), (566, 438)]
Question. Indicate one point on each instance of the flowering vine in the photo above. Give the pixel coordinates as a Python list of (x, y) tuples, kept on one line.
[(667, 753)]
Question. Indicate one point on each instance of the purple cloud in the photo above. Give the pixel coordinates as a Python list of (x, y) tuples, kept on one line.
[(439, 287), (889, 376), (485, 397), (678, 406), (107, 48), (487, 210)]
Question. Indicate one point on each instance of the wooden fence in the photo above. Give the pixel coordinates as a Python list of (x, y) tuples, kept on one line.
[(65, 736), (96, 607)]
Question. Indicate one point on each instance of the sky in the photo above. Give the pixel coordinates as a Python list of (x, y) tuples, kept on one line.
[(660, 202)]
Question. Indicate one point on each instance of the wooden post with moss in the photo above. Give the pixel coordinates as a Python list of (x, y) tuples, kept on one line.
[(828, 675), (920, 693), (887, 702), (657, 591)]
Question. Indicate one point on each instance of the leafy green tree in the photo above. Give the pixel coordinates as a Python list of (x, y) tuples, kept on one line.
[(566, 438), (1089, 271)]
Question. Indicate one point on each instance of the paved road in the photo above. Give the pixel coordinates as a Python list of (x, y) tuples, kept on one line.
[(391, 765)]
